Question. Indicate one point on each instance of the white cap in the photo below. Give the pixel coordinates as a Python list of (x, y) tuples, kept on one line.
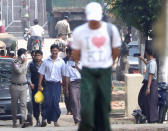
[(93, 11)]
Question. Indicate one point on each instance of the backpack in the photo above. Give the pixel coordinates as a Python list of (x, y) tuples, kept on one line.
[(110, 33)]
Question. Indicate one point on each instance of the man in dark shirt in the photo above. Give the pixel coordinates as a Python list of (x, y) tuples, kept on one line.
[(67, 96), (34, 75)]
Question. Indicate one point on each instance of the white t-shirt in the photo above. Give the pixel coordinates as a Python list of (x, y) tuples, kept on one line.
[(95, 45), (36, 30)]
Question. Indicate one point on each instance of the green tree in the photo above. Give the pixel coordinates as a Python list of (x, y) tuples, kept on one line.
[(141, 14)]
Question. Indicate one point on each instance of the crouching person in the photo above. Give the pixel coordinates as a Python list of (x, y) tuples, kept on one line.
[(19, 87), (73, 81)]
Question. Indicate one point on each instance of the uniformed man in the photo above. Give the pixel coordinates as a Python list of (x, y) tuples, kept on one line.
[(63, 27), (61, 44), (18, 89), (24, 13)]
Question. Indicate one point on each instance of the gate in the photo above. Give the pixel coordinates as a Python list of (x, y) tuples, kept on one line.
[(10, 14)]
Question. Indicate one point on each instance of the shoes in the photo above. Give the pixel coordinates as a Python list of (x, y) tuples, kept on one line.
[(38, 124), (30, 120), (56, 124), (14, 125), (43, 123), (49, 122), (25, 124)]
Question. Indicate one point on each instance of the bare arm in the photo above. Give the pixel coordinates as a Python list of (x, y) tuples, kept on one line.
[(76, 66), (64, 81), (115, 53), (40, 81), (149, 80), (76, 55), (141, 58), (149, 84), (67, 79)]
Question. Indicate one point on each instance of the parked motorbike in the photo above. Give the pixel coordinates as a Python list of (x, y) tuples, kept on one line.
[(162, 105), (163, 100)]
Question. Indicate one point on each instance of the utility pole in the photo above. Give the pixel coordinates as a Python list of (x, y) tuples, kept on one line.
[(36, 9)]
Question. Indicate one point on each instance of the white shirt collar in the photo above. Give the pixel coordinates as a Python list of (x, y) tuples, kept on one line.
[(49, 58)]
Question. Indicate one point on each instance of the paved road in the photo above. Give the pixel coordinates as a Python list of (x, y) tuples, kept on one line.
[(66, 121), (46, 48)]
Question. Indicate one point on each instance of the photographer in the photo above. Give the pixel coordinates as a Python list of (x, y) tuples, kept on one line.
[(148, 95)]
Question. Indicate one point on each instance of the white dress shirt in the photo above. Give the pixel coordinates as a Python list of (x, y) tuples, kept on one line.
[(53, 70), (72, 72)]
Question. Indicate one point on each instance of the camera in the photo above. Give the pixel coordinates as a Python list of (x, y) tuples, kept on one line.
[(137, 54)]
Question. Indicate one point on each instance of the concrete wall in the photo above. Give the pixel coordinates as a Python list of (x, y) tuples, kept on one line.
[(133, 86)]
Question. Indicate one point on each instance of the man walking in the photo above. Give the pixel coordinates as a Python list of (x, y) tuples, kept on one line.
[(97, 50), (19, 87), (33, 70), (53, 68), (66, 95), (63, 27), (73, 87)]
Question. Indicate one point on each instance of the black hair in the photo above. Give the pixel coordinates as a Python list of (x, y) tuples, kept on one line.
[(38, 52), (66, 17), (68, 50), (35, 21), (54, 46), (60, 34), (33, 52), (21, 51), (150, 52)]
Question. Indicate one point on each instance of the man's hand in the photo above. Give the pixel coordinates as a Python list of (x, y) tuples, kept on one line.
[(147, 91), (25, 60), (32, 85), (40, 88)]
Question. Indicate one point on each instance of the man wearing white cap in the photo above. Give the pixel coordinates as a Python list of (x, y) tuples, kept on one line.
[(96, 50)]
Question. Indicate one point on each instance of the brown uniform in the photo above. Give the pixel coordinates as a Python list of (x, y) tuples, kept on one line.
[(18, 89), (63, 27)]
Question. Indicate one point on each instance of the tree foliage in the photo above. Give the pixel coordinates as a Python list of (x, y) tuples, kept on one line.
[(138, 13)]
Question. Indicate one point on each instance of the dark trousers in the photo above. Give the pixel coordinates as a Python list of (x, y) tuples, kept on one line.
[(68, 103), (75, 100), (95, 99), (52, 93), (149, 103), (37, 108)]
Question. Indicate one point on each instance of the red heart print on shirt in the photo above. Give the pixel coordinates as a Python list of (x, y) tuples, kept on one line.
[(98, 41)]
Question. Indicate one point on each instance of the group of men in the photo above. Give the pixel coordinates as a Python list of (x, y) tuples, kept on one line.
[(47, 76), (85, 74)]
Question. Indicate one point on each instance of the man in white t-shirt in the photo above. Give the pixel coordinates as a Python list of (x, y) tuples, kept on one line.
[(96, 50), (36, 33)]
